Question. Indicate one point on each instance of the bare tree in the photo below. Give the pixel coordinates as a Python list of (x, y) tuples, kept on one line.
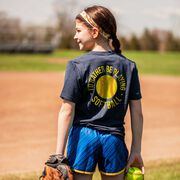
[(124, 43), (17, 38), (172, 43), (65, 22), (10, 28), (149, 41), (134, 43)]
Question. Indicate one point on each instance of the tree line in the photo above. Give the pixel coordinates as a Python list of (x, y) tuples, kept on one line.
[(61, 35), (153, 40)]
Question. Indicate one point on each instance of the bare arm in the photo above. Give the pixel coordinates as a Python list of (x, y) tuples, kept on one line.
[(135, 158), (64, 122)]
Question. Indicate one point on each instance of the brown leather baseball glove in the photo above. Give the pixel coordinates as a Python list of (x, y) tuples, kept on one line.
[(56, 168)]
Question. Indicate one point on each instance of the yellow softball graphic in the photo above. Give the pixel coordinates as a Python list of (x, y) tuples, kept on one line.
[(106, 86)]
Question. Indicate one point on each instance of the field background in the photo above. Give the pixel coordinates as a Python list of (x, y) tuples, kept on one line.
[(148, 62), (30, 87)]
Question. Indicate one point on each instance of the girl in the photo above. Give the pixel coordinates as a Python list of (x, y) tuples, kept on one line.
[(97, 90)]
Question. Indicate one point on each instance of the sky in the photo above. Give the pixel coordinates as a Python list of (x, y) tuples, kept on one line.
[(131, 16)]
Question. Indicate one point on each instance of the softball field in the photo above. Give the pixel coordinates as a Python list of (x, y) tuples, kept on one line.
[(29, 108)]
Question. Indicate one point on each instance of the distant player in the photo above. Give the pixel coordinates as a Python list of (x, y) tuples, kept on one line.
[(97, 90)]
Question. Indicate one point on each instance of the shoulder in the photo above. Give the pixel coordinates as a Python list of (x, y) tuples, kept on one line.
[(81, 63), (78, 64), (126, 62)]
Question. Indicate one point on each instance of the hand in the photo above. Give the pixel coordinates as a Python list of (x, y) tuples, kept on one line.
[(55, 160), (135, 160), (57, 168)]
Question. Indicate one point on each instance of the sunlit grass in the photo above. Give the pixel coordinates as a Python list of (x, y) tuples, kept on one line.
[(167, 63)]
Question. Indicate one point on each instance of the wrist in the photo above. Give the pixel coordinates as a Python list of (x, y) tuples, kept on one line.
[(59, 150), (135, 150)]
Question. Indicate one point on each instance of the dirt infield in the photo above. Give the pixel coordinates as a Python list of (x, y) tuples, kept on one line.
[(28, 118)]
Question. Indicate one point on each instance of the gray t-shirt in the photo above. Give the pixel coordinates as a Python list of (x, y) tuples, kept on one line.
[(101, 85)]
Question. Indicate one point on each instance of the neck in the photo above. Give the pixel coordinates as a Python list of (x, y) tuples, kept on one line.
[(101, 45)]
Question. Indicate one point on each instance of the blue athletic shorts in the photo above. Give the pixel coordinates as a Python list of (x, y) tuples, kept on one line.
[(88, 147)]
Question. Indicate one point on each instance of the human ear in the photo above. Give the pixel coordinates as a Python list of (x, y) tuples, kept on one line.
[(95, 32)]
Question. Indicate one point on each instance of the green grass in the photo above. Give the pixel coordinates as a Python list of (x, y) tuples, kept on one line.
[(156, 170), (70, 54), (148, 62), (167, 170), (167, 63), (35, 62)]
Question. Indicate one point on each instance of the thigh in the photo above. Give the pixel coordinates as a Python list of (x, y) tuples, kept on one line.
[(78, 176), (82, 150), (114, 155), (118, 177)]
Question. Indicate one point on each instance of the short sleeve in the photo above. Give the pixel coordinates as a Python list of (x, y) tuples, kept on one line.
[(71, 88), (135, 90)]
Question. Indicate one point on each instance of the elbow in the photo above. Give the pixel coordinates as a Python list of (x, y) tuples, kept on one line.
[(67, 110)]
